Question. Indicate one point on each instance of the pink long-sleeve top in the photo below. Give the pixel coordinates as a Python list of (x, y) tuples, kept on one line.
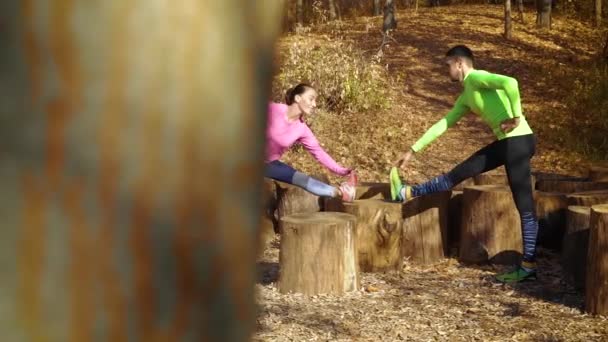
[(282, 134)]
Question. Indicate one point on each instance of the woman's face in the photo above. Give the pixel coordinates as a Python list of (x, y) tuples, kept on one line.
[(307, 101)]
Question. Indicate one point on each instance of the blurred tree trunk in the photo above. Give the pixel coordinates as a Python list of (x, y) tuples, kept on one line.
[(377, 7), (508, 26), (332, 9), (520, 8), (300, 12), (543, 13), (598, 13)]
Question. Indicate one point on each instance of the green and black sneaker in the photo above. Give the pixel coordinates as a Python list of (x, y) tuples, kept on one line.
[(524, 272)]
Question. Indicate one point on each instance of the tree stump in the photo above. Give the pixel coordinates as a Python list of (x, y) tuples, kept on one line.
[(367, 190), (268, 224), (596, 294), (292, 199), (555, 176), (425, 227), (569, 186), (575, 245), (496, 179), (491, 228), (551, 210), (460, 186), (379, 228), (598, 173), (318, 253), (588, 198), (454, 220)]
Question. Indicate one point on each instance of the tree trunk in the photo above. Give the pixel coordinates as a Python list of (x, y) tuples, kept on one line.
[(300, 12), (491, 228), (379, 227), (598, 13), (508, 34), (568, 187), (543, 13), (454, 220), (575, 245), (551, 208), (520, 7), (425, 227), (496, 179), (588, 198), (332, 10), (292, 199), (377, 7), (389, 22), (121, 216), (367, 190), (318, 254), (596, 294), (598, 174)]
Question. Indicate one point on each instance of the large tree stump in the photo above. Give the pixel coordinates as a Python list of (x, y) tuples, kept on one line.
[(292, 199), (551, 213), (575, 245), (268, 224), (496, 179), (379, 227), (598, 173), (454, 220), (318, 253), (491, 228), (596, 294), (425, 227), (569, 186), (365, 190), (588, 198)]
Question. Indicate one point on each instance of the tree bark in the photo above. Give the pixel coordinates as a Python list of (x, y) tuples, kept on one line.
[(598, 13), (318, 254), (118, 192), (332, 10), (379, 227), (508, 27), (292, 199), (551, 209), (425, 228), (575, 245), (300, 12), (568, 186), (491, 229), (543, 13), (454, 220), (596, 294)]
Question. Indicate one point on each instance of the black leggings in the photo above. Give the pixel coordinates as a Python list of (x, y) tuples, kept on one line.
[(515, 154)]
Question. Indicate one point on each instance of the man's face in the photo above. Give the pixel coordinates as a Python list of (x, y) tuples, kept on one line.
[(455, 68)]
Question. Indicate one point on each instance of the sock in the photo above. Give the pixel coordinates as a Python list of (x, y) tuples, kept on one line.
[(529, 229), (437, 184)]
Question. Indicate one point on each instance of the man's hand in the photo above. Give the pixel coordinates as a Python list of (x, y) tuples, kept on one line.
[(509, 125), (404, 160)]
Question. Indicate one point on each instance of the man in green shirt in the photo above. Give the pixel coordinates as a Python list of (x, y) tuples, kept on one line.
[(495, 98)]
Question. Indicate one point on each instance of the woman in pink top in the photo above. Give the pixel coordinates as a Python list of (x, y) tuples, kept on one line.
[(286, 127)]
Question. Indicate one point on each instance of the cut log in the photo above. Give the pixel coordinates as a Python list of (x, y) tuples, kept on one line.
[(551, 210), (379, 230), (318, 254), (491, 229), (366, 190), (454, 220), (425, 227), (575, 246), (556, 176), (598, 173), (463, 184), (292, 199), (588, 198), (496, 179), (596, 294), (569, 186)]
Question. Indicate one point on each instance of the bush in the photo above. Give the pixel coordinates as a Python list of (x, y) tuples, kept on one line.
[(344, 78)]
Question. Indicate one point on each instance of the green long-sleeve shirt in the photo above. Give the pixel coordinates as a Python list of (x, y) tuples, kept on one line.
[(493, 97)]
